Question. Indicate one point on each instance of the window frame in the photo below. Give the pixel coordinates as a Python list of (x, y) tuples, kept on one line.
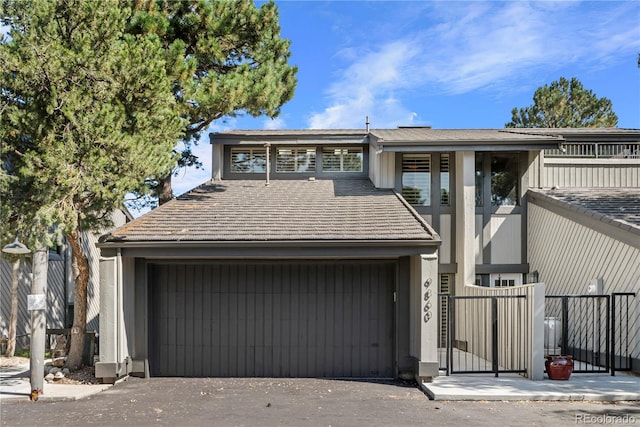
[(325, 148), (295, 152)]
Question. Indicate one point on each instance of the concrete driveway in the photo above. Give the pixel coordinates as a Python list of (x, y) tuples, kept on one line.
[(291, 402)]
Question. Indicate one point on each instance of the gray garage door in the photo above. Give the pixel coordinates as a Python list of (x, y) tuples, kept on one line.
[(272, 319)]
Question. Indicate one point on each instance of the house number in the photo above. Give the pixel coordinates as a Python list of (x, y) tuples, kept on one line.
[(427, 302)]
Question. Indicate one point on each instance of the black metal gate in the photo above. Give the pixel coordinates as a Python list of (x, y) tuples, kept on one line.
[(477, 333), (484, 334), (593, 329)]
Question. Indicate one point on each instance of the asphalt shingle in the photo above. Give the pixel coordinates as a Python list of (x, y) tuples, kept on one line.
[(618, 206), (286, 210)]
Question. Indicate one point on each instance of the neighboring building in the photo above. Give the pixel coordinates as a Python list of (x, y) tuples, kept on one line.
[(329, 261), (60, 293), (584, 237)]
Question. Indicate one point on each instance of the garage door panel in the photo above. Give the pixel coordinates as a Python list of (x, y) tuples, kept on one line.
[(270, 319)]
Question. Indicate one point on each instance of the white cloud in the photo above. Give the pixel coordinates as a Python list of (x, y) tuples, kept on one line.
[(474, 46), (273, 124), (366, 89)]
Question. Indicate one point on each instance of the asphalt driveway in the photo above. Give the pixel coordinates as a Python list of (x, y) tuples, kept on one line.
[(291, 402)]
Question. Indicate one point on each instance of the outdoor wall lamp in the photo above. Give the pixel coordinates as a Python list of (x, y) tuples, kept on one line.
[(16, 248)]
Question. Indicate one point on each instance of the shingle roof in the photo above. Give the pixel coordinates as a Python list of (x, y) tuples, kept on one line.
[(410, 134), (616, 206), (286, 210)]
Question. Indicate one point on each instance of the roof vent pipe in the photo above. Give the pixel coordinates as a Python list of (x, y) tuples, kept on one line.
[(367, 123), (268, 147)]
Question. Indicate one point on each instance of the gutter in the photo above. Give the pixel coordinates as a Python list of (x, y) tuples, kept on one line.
[(196, 244)]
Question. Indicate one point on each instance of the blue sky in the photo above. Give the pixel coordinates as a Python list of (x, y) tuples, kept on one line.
[(447, 64)]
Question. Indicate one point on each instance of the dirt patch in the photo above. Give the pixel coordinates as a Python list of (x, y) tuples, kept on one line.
[(7, 362), (84, 375)]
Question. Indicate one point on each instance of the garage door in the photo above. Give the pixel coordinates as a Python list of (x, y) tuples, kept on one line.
[(272, 319)]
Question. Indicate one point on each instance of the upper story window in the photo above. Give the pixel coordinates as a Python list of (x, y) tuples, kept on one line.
[(342, 159), (504, 180), (248, 160), (445, 184), (416, 179), (296, 159), (504, 172)]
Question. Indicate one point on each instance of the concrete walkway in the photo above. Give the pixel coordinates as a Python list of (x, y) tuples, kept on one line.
[(15, 385), (593, 387)]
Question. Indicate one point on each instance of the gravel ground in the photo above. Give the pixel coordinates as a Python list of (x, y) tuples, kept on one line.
[(84, 375)]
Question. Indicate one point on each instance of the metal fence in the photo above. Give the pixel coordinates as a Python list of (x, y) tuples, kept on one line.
[(488, 334), (623, 325), (579, 326)]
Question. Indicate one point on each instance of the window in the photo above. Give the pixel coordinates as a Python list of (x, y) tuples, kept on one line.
[(504, 170), (342, 159), (445, 189), (504, 180), (479, 181), (416, 179), (296, 160), (503, 283), (248, 160), (482, 280)]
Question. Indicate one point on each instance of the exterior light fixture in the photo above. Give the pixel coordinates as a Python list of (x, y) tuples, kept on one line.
[(16, 248)]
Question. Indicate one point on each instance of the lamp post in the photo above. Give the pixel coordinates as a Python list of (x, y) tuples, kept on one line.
[(36, 304), (15, 250)]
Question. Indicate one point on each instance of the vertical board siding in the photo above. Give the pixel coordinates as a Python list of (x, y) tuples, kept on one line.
[(505, 237), (273, 320), (590, 175), (55, 299), (569, 256)]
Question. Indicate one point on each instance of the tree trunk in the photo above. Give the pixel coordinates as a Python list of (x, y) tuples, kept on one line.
[(80, 265), (13, 319), (165, 191)]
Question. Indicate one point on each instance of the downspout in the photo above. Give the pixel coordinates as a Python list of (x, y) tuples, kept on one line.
[(119, 309)]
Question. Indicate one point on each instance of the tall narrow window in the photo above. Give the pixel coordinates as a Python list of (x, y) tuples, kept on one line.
[(296, 160), (479, 180), (416, 179), (445, 189), (248, 160), (504, 179), (342, 159)]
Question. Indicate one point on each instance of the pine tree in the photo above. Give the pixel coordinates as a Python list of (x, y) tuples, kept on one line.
[(87, 114), (226, 57), (564, 104)]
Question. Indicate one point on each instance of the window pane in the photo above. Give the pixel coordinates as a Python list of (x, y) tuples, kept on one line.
[(342, 159), (416, 179), (504, 180), (248, 160), (285, 160), (352, 160), (479, 180), (444, 180), (306, 160), (296, 160)]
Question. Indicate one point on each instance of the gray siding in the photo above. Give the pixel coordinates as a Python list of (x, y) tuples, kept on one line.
[(569, 256), (566, 173), (55, 298), (273, 319)]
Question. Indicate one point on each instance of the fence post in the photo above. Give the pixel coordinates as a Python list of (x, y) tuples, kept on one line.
[(613, 335), (565, 325), (494, 335), (608, 355), (450, 333), (536, 349)]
